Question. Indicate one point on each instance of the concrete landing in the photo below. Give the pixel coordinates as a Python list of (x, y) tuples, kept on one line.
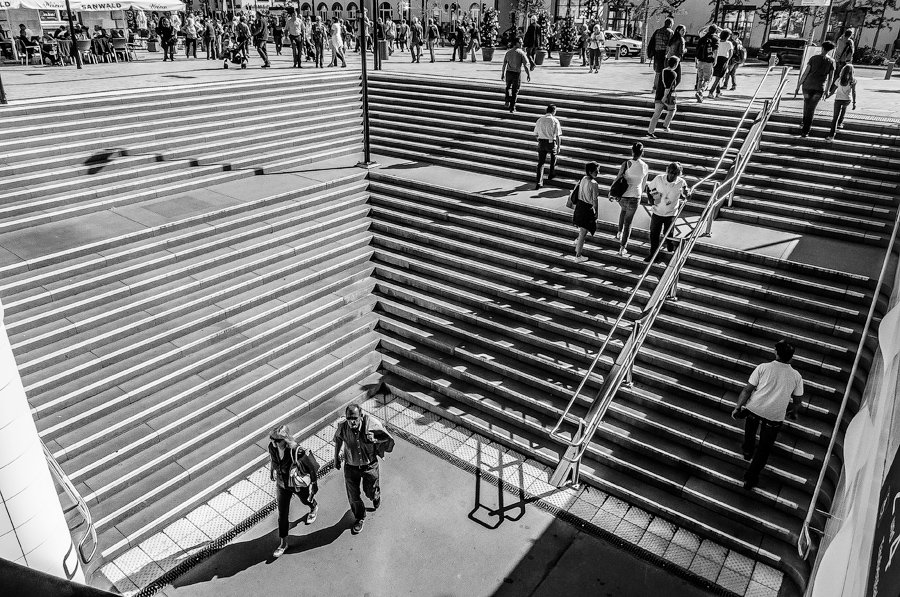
[(432, 536), (802, 248)]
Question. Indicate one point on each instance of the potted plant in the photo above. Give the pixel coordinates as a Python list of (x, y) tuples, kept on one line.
[(490, 29), (543, 30), (567, 40)]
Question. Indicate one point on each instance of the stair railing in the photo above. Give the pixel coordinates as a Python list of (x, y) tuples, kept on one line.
[(62, 479), (804, 541), (568, 469)]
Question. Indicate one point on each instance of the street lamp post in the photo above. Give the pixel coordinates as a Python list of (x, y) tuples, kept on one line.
[(75, 51), (367, 154)]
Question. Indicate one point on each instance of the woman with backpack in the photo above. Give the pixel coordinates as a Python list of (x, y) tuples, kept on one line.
[(634, 172), (584, 201), (738, 57), (844, 90), (665, 96), (295, 472), (432, 36)]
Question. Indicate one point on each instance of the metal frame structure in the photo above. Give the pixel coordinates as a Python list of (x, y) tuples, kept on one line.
[(568, 469)]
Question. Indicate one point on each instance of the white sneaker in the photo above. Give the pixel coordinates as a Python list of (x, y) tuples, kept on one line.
[(280, 551), (581, 259), (623, 252), (311, 517), (618, 236)]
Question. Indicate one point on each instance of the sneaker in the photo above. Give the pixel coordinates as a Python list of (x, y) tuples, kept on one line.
[(311, 517), (623, 252), (279, 551), (732, 88), (829, 138), (537, 186), (376, 502), (581, 259), (651, 135), (358, 527), (667, 129), (618, 236), (699, 97)]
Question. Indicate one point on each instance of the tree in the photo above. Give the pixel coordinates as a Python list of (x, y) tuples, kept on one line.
[(877, 17)]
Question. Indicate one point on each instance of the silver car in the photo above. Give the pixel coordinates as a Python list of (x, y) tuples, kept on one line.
[(616, 42)]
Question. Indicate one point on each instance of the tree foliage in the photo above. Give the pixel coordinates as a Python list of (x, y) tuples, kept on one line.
[(877, 17), (490, 27)]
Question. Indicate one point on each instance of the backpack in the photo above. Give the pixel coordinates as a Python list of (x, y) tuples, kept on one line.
[(740, 54), (705, 49)]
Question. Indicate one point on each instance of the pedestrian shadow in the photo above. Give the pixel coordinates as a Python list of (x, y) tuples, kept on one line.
[(236, 557), (486, 516), (101, 159)]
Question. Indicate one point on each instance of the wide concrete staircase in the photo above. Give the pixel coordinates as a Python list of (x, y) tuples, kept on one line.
[(485, 320), (846, 190), (161, 332), (463, 124)]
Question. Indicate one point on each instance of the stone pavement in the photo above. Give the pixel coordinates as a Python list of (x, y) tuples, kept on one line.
[(877, 97), (444, 531)]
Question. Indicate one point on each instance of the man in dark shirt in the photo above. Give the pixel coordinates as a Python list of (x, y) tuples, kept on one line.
[(511, 72), (658, 49), (706, 57), (532, 37), (816, 78), (843, 52)]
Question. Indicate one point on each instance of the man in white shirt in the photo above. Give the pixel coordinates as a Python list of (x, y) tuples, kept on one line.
[(548, 132), (774, 392), (666, 192)]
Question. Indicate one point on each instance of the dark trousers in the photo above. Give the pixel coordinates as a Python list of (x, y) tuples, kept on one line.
[(840, 110), (811, 101), (278, 43), (660, 226), (546, 147), (458, 49), (513, 82), (190, 47), (530, 51), (768, 432), (368, 475), (284, 505), (320, 55), (628, 207), (263, 52), (168, 46), (297, 50)]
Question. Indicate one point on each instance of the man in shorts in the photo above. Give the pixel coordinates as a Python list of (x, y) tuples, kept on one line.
[(773, 393), (548, 132), (511, 72)]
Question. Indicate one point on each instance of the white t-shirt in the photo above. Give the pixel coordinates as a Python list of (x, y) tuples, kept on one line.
[(775, 383), (547, 127), (588, 190), (636, 175), (725, 50), (669, 194)]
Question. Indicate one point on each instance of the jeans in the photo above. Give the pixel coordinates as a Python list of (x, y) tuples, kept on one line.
[(628, 207), (530, 52), (284, 505), (513, 82), (190, 47), (431, 48), (660, 226), (368, 475), (416, 51), (458, 49), (811, 101), (596, 57), (760, 452), (546, 147), (704, 75), (320, 54), (840, 110), (297, 50), (657, 112), (263, 52)]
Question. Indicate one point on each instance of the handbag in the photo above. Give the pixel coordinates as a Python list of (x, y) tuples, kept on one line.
[(570, 203), (296, 478), (619, 186)]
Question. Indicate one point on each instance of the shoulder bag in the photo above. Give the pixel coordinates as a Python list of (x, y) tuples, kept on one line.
[(297, 478), (619, 186)]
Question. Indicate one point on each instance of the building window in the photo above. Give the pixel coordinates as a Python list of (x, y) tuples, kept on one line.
[(475, 10), (739, 20), (385, 12), (787, 23), (337, 11), (352, 11), (306, 9)]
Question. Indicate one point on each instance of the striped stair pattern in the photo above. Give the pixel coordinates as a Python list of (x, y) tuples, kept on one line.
[(483, 319), (101, 156), (156, 360), (848, 189), (463, 124)]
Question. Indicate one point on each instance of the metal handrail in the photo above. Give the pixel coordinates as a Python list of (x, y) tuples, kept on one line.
[(804, 542), (666, 288), (75, 496)]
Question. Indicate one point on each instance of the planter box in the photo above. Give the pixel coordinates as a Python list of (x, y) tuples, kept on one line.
[(487, 53), (565, 58), (539, 56)]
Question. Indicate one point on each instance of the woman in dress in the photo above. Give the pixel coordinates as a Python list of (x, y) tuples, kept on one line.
[(584, 197), (635, 172), (337, 44)]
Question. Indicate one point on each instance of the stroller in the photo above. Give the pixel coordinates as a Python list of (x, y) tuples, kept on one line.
[(234, 52)]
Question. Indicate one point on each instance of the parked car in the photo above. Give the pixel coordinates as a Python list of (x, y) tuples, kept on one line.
[(623, 45), (690, 46), (787, 50)]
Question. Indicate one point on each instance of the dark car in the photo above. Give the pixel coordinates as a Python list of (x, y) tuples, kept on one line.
[(690, 46), (787, 50)]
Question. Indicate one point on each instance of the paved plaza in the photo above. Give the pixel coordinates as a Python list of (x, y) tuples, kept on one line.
[(878, 98)]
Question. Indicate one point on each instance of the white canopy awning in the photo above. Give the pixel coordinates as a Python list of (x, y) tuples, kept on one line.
[(34, 4), (147, 5)]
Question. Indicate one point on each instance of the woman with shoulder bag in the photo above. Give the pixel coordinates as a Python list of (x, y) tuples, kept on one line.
[(634, 172), (584, 200), (295, 472), (665, 96)]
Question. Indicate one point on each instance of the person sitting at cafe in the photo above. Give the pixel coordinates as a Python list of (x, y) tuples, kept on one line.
[(100, 32), (26, 36), (62, 32), (49, 50)]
